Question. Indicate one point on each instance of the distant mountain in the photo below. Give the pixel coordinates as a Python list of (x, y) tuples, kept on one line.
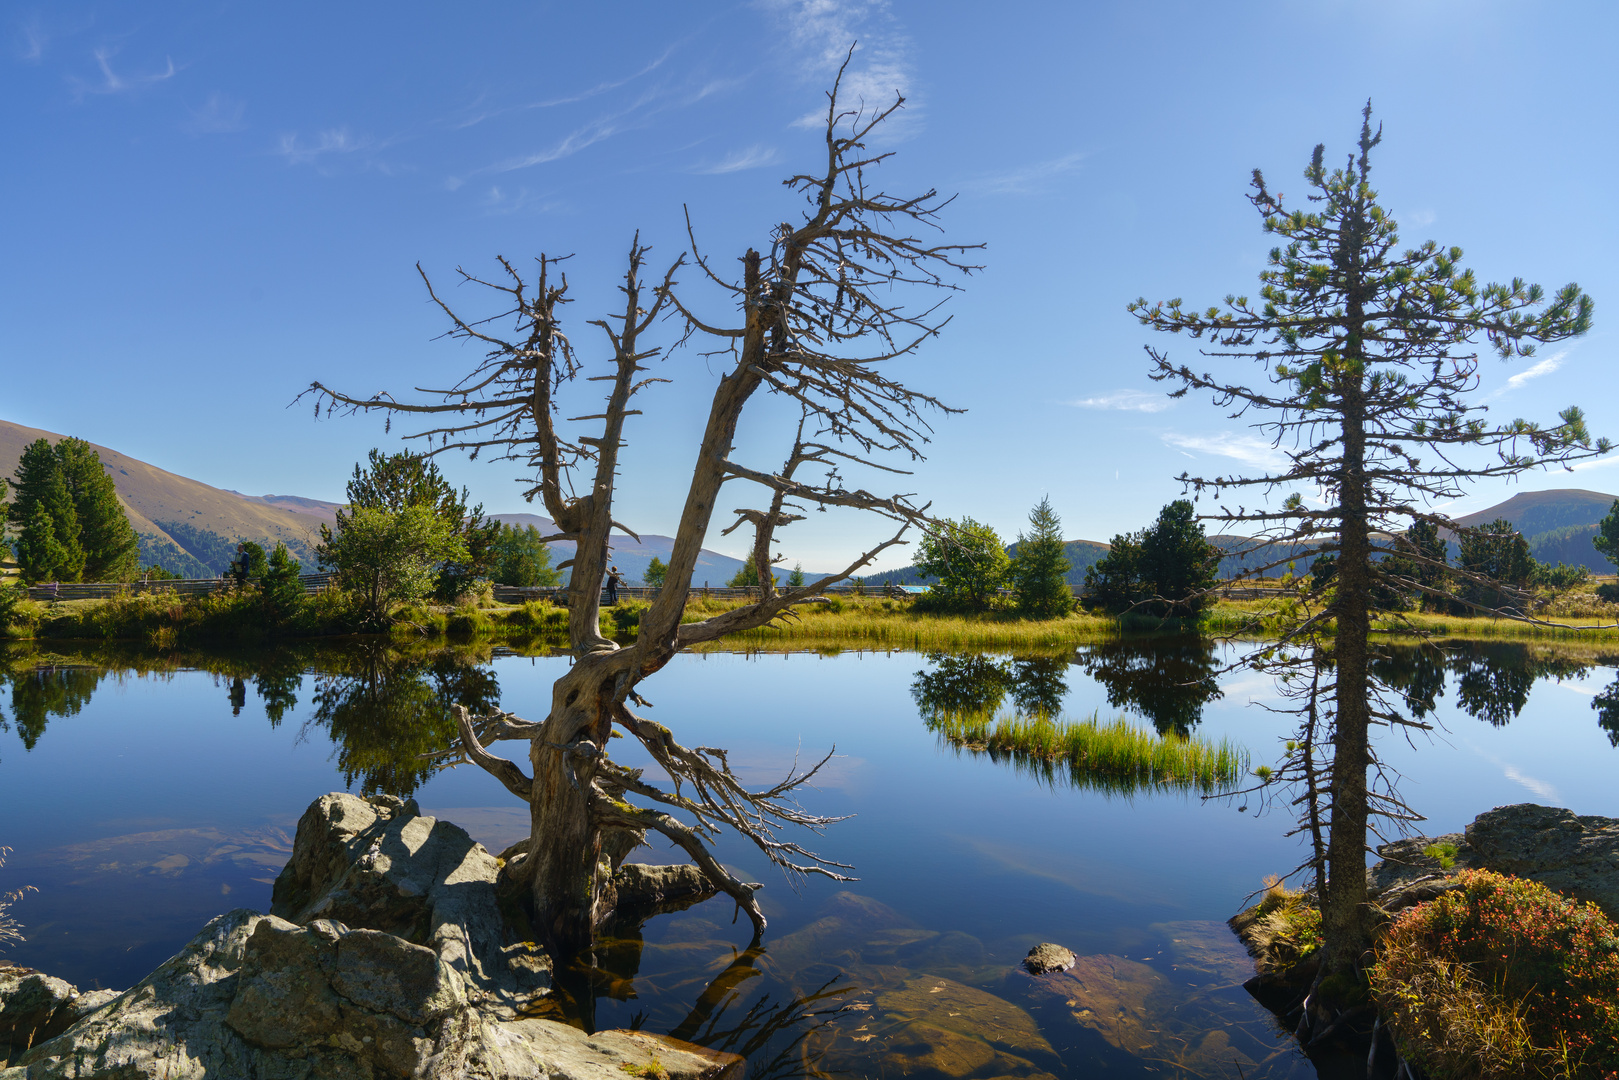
[(1558, 524), (632, 557), (185, 526)]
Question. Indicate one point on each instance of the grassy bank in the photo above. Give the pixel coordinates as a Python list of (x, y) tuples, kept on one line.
[(244, 616), (1114, 756)]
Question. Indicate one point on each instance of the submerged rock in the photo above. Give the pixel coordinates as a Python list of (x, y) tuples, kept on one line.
[(385, 956), (1046, 957)]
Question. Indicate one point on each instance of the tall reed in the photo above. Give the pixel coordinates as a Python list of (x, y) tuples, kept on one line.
[(1115, 756)]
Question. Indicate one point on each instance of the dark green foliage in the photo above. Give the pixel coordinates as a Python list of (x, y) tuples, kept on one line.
[(207, 549), (282, 591), (111, 549), (795, 580), (1500, 554), (969, 561), (48, 546), (1165, 680), (71, 525), (656, 571), (1607, 538), (963, 683), (395, 482), (389, 711), (745, 578), (522, 559), (1039, 574), (384, 557), (1607, 706), (1166, 570), (258, 563), (1561, 576)]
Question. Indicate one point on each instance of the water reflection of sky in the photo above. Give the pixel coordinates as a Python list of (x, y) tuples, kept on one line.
[(157, 805)]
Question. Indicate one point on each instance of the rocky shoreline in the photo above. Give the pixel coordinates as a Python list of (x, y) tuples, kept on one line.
[(385, 954), (1577, 856)]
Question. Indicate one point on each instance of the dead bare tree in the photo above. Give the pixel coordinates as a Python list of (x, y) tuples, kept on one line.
[(816, 319)]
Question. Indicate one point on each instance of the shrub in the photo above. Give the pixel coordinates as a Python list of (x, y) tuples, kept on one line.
[(1502, 977)]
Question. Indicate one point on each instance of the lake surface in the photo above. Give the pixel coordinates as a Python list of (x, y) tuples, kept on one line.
[(143, 797)]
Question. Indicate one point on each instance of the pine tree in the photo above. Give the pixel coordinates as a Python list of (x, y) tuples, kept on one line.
[(747, 577), (90, 537), (1039, 574), (1498, 553), (48, 548), (283, 592), (395, 482), (111, 548), (1606, 540), (795, 580), (1365, 361)]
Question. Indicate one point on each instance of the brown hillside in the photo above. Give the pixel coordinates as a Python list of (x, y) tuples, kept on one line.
[(1535, 512), (151, 495)]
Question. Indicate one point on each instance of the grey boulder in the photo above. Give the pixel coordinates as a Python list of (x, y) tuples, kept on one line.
[(1575, 855)]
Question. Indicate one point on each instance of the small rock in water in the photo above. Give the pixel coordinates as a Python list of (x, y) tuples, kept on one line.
[(1046, 958)]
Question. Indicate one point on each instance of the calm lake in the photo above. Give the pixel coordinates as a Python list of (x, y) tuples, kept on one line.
[(142, 798)]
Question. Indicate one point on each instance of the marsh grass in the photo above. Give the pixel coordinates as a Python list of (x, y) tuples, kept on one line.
[(884, 623), (1113, 756)]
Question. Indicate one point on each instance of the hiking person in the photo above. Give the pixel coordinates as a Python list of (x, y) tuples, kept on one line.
[(239, 565), (613, 582)]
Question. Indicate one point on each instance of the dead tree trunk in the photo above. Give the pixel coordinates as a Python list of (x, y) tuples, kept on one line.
[(818, 314)]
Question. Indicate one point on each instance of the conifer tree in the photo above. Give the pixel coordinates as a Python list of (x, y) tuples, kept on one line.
[(48, 548), (393, 482), (1039, 574), (1365, 360), (1606, 540), (89, 536), (111, 548)]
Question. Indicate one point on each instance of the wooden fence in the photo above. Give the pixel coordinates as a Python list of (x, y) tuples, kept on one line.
[(105, 590)]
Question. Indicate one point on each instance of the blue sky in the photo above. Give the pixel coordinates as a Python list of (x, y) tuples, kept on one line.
[(208, 205)]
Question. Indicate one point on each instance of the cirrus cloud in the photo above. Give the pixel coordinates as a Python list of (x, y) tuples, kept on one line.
[(1125, 400)]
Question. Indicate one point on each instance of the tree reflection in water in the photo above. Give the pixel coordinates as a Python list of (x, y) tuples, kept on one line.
[(1492, 679), (1165, 680), (972, 683), (37, 694), (388, 709)]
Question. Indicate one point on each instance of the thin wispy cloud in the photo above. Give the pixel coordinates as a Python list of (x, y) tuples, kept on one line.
[(1535, 371), (478, 117), (1251, 450), (820, 32), (752, 157), (219, 115), (1419, 219), (1125, 401), (32, 39), (333, 142), (498, 200), (112, 82), (636, 115), (1029, 178)]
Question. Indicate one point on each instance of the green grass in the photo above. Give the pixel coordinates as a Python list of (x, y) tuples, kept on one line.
[(1115, 756)]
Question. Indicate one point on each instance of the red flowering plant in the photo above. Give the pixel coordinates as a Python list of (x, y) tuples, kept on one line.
[(1502, 977)]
